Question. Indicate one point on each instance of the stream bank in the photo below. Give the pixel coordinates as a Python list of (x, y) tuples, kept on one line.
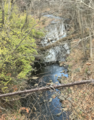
[(79, 99)]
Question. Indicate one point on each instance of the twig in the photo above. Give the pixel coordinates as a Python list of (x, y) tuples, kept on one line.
[(3, 108)]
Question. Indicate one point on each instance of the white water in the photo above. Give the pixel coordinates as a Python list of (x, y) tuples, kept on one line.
[(55, 31)]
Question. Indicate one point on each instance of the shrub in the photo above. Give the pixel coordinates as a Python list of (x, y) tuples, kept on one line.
[(17, 46)]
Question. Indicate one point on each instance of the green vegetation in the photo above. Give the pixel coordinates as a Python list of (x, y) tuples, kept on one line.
[(17, 47)]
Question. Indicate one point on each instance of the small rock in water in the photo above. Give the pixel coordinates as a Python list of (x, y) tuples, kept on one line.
[(56, 82), (34, 78), (66, 66), (55, 75), (59, 114), (63, 106), (52, 83), (53, 96), (45, 100), (50, 80), (50, 100), (36, 85), (59, 77), (62, 71), (65, 109)]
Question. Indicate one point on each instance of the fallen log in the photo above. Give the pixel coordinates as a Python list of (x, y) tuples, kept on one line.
[(73, 36), (46, 88)]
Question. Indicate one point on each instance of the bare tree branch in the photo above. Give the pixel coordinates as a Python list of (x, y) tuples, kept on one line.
[(46, 88)]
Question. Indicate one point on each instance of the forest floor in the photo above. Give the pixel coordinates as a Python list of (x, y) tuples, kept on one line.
[(79, 99)]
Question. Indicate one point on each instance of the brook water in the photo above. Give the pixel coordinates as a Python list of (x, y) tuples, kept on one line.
[(46, 105)]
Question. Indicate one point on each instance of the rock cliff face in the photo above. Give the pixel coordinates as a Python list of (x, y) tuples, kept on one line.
[(55, 31)]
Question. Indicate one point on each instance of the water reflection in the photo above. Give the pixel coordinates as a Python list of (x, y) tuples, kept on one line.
[(45, 105), (51, 109)]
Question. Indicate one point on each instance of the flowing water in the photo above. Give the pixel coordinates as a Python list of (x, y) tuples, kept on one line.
[(47, 107), (43, 105)]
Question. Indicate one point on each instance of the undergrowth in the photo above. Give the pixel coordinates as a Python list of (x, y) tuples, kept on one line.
[(79, 98), (17, 50)]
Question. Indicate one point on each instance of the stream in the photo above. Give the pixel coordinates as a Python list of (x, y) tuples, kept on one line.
[(51, 109), (46, 105)]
